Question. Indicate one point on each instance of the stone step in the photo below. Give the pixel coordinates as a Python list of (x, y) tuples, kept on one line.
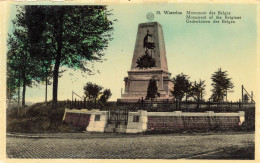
[(111, 127)]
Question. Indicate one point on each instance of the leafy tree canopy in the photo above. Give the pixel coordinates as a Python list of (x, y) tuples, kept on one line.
[(22, 69), (181, 86), (246, 98), (69, 36), (197, 90), (105, 96), (92, 91), (221, 84)]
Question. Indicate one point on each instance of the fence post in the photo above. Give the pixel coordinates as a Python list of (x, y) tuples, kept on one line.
[(84, 103), (142, 102), (81, 104), (108, 113)]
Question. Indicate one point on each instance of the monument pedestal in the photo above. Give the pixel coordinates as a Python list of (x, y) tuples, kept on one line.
[(149, 62), (136, 85)]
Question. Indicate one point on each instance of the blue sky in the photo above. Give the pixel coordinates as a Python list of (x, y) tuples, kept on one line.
[(197, 50)]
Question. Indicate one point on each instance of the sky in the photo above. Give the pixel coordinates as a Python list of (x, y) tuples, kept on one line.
[(197, 50)]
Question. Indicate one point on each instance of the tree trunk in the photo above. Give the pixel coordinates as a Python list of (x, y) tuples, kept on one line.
[(19, 84), (24, 89), (58, 59), (198, 102), (46, 86), (55, 80)]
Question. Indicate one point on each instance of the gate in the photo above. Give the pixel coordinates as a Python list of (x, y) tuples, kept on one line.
[(117, 117)]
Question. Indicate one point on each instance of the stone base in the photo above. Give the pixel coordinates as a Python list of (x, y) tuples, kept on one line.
[(97, 125), (109, 128), (137, 82), (120, 129), (137, 126), (112, 128)]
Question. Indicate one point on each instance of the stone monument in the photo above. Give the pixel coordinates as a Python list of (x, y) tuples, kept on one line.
[(149, 61)]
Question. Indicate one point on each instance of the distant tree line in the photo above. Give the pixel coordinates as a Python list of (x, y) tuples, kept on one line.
[(183, 87), (221, 83), (44, 38)]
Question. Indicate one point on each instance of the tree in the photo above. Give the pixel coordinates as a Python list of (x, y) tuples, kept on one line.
[(197, 90), (246, 98), (13, 80), (47, 76), (152, 90), (181, 86), (74, 35), (221, 84), (23, 70), (92, 91), (105, 96), (24, 41)]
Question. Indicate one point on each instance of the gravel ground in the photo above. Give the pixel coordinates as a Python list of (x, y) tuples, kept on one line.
[(136, 146)]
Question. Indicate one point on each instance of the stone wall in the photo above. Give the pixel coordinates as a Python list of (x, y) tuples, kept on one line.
[(142, 121), (93, 121), (179, 121), (77, 118)]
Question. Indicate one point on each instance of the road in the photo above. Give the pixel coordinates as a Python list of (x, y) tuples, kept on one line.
[(121, 146)]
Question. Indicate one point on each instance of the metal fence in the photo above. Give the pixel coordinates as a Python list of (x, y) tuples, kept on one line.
[(189, 106), (161, 106), (83, 104)]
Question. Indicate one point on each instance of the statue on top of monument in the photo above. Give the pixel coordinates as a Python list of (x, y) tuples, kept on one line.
[(148, 45)]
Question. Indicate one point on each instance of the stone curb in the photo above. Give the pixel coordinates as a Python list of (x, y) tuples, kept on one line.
[(31, 136)]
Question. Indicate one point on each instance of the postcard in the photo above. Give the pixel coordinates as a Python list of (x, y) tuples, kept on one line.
[(127, 80)]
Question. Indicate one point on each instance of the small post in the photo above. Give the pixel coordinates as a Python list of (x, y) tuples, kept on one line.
[(127, 115), (186, 105), (242, 93), (81, 102), (200, 98), (84, 102), (142, 102), (72, 96), (252, 97), (226, 95), (18, 111)]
